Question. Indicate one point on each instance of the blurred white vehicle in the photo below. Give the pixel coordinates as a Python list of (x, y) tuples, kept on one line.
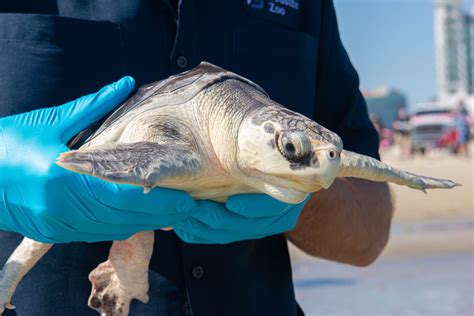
[(433, 128)]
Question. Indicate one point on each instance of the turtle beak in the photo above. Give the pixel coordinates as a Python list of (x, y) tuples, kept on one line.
[(329, 159)]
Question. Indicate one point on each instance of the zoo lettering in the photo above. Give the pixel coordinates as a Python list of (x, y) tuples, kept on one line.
[(276, 9), (276, 6)]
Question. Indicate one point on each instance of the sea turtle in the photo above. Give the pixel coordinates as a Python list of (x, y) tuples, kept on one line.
[(212, 133)]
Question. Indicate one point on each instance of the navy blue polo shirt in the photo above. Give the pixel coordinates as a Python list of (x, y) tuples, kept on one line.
[(54, 51)]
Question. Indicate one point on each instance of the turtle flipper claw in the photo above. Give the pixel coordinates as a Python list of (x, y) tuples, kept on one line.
[(6, 306)]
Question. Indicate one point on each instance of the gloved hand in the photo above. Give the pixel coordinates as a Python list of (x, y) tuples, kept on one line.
[(42, 201), (247, 216)]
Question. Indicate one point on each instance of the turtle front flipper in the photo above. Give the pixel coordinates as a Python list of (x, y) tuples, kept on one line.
[(145, 164), (364, 167)]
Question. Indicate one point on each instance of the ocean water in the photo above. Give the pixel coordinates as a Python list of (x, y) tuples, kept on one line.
[(431, 286)]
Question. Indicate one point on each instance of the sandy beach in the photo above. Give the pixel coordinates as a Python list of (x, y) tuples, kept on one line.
[(440, 221), (413, 205)]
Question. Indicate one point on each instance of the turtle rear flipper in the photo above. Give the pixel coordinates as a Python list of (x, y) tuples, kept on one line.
[(145, 164), (364, 167), (123, 277), (25, 256)]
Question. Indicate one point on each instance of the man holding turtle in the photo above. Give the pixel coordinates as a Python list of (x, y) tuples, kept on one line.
[(56, 51)]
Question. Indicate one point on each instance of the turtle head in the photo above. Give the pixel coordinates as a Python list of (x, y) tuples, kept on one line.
[(287, 155), (291, 154)]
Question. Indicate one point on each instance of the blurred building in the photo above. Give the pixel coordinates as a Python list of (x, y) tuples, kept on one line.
[(385, 103), (469, 39), (454, 41)]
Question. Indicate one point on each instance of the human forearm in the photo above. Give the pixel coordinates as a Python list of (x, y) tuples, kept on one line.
[(349, 222)]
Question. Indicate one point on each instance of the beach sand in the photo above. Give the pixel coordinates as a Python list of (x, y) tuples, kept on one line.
[(413, 205), (439, 222)]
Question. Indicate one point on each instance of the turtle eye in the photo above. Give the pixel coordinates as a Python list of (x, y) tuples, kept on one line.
[(293, 145)]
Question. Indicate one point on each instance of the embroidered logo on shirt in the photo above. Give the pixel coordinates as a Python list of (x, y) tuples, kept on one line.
[(283, 11), (279, 7)]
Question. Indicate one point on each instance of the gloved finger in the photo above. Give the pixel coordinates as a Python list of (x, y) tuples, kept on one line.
[(86, 222), (195, 229), (113, 216), (217, 216), (192, 239), (76, 237), (258, 205), (59, 238), (97, 238), (54, 231), (5, 229), (126, 197), (195, 232), (75, 116), (5, 220)]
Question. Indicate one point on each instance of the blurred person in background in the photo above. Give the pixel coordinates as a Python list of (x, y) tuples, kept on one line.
[(375, 119), (385, 134), (462, 128), (401, 129)]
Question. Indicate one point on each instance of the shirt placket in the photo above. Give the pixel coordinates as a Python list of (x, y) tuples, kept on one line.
[(183, 55)]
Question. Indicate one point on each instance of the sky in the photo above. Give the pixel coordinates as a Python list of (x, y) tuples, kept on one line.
[(390, 43)]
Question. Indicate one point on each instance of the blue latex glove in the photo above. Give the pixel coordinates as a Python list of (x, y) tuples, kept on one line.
[(248, 216), (42, 201)]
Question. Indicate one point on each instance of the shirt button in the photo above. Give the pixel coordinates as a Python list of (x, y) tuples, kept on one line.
[(182, 62), (198, 272)]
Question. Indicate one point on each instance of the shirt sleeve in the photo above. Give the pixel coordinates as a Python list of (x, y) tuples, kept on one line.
[(340, 105)]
